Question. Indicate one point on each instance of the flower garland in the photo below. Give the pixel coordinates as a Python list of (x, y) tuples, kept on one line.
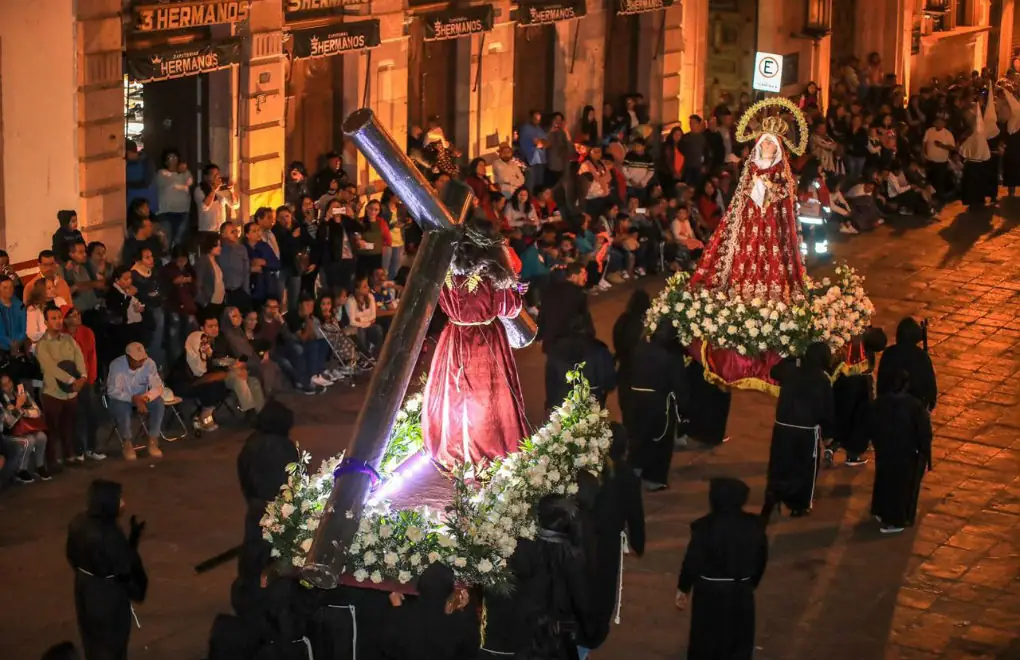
[(479, 531), (833, 312)]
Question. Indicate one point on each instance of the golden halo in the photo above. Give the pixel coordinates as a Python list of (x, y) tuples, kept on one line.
[(775, 125)]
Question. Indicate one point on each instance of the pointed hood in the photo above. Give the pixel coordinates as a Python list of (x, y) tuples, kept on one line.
[(727, 495), (104, 499), (991, 118), (1013, 123)]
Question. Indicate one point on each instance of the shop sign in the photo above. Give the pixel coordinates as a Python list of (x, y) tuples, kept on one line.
[(186, 14), (542, 12), (335, 39), (181, 61), (296, 10), (456, 23), (628, 7)]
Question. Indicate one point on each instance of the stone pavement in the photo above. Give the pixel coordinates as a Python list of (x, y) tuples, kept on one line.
[(835, 587)]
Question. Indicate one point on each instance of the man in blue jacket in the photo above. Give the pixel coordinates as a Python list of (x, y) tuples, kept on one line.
[(13, 337), (532, 138)]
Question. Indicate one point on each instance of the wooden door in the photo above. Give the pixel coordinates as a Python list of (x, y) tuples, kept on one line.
[(534, 48), (176, 115), (314, 109), (432, 82), (621, 58), (732, 28), (844, 36)]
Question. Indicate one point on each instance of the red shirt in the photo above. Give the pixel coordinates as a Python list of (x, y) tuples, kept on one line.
[(86, 340)]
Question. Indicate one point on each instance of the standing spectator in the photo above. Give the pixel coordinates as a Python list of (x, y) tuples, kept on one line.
[(135, 385), (100, 268), (694, 147), (179, 283), (64, 375), (671, 168), (588, 130), (84, 286), (213, 196), (393, 212), (24, 434), (332, 170), (288, 237), (125, 314), (234, 260), (265, 218), (49, 269), (143, 237), (173, 196), (265, 267), (938, 145), (108, 572), (361, 313), (559, 151), (507, 171), (375, 238), (296, 187), (857, 149), (138, 173), (338, 239), (13, 322), (87, 427), (148, 288), (67, 234)]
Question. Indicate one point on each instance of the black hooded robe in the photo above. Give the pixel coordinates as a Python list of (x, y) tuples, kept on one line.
[(912, 359), (804, 415), (108, 574), (852, 396), (568, 352), (902, 434), (725, 561), (659, 395), (709, 408)]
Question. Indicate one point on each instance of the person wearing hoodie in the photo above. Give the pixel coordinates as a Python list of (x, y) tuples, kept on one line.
[(907, 355), (108, 573), (579, 346), (66, 235), (628, 332), (805, 413), (724, 562), (436, 625)]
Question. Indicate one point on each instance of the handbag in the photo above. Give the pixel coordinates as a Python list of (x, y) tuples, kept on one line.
[(27, 426)]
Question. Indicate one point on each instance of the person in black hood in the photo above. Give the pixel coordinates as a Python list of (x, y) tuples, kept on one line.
[(853, 395), (108, 573), (618, 510), (660, 396), (435, 625), (67, 234), (901, 432), (907, 355), (724, 562), (566, 353), (804, 415), (628, 331)]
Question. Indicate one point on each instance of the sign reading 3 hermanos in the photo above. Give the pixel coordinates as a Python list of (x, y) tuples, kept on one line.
[(542, 12), (298, 9), (157, 17), (178, 62), (335, 39), (456, 23)]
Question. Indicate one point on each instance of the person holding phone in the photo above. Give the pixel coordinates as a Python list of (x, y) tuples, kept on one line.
[(213, 196), (338, 238)]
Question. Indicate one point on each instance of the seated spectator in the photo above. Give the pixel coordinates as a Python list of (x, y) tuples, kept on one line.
[(179, 284), (85, 287), (125, 315), (148, 287), (331, 322), (598, 182), (614, 165), (64, 375), (687, 248), (537, 261), (41, 293), (264, 264), (243, 344), (134, 385), (709, 206), (866, 213), (507, 171), (638, 169), (143, 236), (285, 349), (207, 376), (67, 234), (840, 208), (361, 313), (87, 428), (49, 270), (905, 198), (519, 212), (496, 212), (304, 326), (14, 339), (23, 443), (626, 244), (477, 178), (385, 291), (7, 271)]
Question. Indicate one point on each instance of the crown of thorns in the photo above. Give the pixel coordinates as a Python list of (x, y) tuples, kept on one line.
[(774, 125)]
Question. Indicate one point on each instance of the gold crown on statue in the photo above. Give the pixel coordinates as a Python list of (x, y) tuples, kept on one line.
[(774, 124)]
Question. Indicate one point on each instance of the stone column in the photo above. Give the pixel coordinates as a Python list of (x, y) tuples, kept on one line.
[(692, 43), (879, 26), (580, 78), (260, 121), (100, 84), (664, 52)]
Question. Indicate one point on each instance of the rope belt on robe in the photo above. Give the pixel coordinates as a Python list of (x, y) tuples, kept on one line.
[(817, 430), (112, 577), (465, 324), (734, 580), (670, 407)]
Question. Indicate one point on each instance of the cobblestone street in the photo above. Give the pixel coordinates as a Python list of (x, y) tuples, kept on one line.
[(835, 588)]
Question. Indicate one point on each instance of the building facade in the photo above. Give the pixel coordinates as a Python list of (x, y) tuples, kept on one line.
[(254, 85)]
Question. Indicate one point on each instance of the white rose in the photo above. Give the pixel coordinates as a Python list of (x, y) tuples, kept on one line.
[(433, 557), (732, 330), (414, 560), (414, 534), (753, 332), (741, 350), (312, 524), (572, 489), (403, 577), (390, 559), (460, 562), (446, 541), (368, 558), (484, 566), (361, 575), (385, 532), (369, 539), (375, 577), (678, 307), (287, 510), (413, 405)]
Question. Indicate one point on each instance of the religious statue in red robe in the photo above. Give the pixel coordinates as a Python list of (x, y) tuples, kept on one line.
[(473, 408), (755, 251)]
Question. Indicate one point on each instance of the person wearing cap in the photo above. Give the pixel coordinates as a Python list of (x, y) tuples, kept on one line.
[(87, 421), (134, 384)]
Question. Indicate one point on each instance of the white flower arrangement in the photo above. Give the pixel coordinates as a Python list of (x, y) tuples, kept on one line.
[(833, 312), (479, 531)]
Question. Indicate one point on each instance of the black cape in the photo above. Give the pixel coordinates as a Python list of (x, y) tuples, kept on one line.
[(108, 574), (565, 354), (725, 561), (912, 359), (901, 432), (659, 397)]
